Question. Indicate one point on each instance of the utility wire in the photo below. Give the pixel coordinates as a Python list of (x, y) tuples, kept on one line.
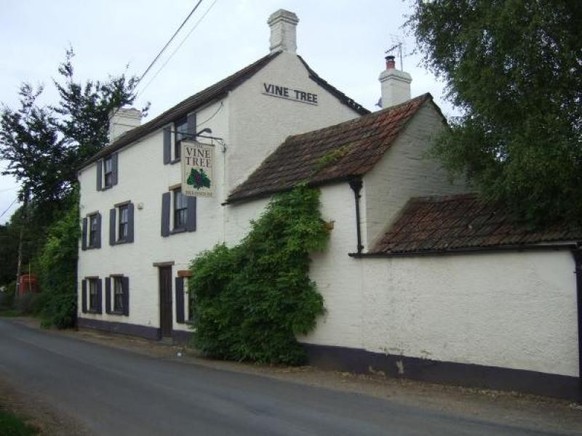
[(169, 42), (178, 48), (8, 208)]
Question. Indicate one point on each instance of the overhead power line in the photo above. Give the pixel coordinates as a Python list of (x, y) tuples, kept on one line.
[(169, 42), (178, 48), (8, 208)]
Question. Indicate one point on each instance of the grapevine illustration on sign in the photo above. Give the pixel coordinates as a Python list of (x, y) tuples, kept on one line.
[(198, 179), (197, 169)]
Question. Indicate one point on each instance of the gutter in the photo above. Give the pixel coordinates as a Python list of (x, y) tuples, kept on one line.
[(356, 185), (468, 250), (577, 254)]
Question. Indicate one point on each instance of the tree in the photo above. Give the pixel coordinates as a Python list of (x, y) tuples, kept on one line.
[(45, 145), (514, 68)]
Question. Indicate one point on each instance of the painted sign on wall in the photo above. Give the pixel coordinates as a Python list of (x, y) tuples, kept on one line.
[(197, 169), (289, 93)]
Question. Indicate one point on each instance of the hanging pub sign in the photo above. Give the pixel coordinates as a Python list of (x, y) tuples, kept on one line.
[(197, 169)]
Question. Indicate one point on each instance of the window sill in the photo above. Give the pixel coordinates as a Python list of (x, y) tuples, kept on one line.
[(122, 241), (93, 311), (92, 247), (178, 230), (114, 312), (175, 161)]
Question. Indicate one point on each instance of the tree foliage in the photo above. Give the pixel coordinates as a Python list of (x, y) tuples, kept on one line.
[(57, 264), (253, 299), (45, 145), (514, 68)]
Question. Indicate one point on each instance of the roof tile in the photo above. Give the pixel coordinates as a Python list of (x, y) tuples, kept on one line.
[(349, 149), (441, 224)]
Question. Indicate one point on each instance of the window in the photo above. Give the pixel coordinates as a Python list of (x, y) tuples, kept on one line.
[(117, 295), (178, 212), (183, 128), (184, 302), (91, 295), (121, 227), (181, 133), (91, 231), (107, 172)]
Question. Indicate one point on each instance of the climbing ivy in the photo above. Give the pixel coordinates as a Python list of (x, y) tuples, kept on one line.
[(252, 300)]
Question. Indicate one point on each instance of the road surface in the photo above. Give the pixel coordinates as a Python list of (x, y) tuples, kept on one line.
[(117, 392)]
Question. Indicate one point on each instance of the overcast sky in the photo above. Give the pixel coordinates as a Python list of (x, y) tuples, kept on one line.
[(342, 40)]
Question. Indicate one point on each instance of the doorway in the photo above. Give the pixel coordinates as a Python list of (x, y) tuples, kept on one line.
[(166, 321)]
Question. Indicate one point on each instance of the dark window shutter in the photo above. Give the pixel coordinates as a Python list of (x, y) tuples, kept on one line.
[(167, 145), (179, 281), (130, 214), (84, 235), (112, 226), (99, 296), (191, 218), (114, 168), (107, 294), (125, 282), (84, 296), (98, 240), (166, 202), (99, 174), (191, 126)]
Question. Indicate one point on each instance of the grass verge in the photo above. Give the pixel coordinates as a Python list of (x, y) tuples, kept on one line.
[(12, 425)]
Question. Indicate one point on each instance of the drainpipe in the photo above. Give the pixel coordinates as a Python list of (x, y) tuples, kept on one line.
[(356, 185), (577, 253)]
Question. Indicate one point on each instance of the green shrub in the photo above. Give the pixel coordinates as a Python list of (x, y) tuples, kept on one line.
[(58, 271), (7, 297), (253, 299), (26, 304), (12, 425)]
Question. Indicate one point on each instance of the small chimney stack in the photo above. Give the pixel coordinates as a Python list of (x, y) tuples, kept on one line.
[(122, 120), (283, 26), (395, 84)]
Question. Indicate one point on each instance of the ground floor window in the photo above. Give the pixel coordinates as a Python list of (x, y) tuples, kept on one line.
[(91, 295), (117, 294)]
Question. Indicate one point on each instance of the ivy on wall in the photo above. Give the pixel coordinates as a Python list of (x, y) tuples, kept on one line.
[(253, 299)]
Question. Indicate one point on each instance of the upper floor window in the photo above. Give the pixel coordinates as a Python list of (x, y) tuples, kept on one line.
[(121, 226), (107, 172), (178, 212), (184, 128), (91, 231), (181, 133), (180, 209)]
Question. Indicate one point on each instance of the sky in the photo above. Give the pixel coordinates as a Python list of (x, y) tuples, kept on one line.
[(344, 41)]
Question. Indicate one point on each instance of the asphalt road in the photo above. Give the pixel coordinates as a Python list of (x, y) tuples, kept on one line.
[(117, 392)]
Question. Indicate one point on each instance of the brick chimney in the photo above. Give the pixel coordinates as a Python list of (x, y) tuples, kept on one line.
[(121, 120), (283, 26), (395, 84)]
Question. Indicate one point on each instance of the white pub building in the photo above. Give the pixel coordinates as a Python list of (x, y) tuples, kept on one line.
[(420, 279)]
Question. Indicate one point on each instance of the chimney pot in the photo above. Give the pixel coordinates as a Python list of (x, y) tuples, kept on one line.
[(395, 84), (121, 120), (283, 26)]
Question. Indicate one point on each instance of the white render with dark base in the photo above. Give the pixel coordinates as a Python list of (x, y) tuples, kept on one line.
[(503, 317)]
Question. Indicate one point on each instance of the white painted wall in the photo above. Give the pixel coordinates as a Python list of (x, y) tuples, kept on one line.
[(252, 125), (405, 172), (260, 123), (512, 310), (143, 178)]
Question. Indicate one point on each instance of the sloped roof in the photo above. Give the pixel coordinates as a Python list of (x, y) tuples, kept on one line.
[(209, 94), (463, 222), (334, 153)]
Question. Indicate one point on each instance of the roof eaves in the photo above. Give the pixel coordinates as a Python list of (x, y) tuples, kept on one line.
[(184, 107), (333, 90)]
